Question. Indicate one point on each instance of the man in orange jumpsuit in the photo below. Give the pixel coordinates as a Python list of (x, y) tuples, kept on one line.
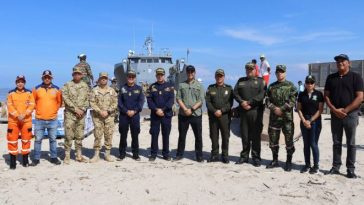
[(20, 107)]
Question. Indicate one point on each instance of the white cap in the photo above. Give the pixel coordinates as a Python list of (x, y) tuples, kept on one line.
[(262, 56), (81, 55)]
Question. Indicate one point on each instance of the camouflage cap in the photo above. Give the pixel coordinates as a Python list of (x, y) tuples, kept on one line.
[(77, 70), (249, 66), (131, 72), (220, 72), (310, 79), (103, 74), (281, 67), (160, 71)]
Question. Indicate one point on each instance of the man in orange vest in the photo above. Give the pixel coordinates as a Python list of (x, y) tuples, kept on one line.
[(48, 99), (20, 107)]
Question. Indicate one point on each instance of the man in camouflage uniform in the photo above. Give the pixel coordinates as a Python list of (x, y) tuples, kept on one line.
[(115, 86), (103, 101), (88, 78), (219, 100), (249, 93), (75, 95), (281, 100)]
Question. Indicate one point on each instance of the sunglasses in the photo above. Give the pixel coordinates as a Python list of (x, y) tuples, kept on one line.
[(131, 76), (309, 83)]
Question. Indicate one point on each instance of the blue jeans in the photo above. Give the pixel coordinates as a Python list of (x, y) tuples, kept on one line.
[(40, 127), (310, 141)]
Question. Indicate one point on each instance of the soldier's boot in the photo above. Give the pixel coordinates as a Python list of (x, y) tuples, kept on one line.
[(288, 166), (108, 156), (274, 163), (79, 156), (12, 161), (25, 160), (67, 157), (96, 157)]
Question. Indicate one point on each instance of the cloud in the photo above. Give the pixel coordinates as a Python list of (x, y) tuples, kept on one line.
[(251, 35), (279, 34)]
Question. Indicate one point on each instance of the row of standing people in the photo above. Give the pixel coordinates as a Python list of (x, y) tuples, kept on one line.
[(249, 92)]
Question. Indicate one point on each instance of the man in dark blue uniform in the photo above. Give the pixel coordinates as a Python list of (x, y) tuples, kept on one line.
[(160, 98), (131, 100)]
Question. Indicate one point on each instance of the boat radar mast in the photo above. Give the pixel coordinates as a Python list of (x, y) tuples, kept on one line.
[(148, 43)]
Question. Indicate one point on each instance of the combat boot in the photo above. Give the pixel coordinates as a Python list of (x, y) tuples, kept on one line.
[(108, 156), (67, 157), (12, 161), (25, 160), (79, 156), (96, 157), (288, 166), (274, 163)]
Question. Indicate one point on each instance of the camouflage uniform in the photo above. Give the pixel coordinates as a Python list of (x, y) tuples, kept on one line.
[(103, 100), (86, 71), (75, 96), (282, 95)]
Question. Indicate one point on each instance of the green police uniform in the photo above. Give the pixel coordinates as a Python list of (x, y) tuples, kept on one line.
[(219, 98), (281, 95), (250, 89)]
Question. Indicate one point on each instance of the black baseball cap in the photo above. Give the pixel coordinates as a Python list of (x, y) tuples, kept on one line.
[(47, 73), (190, 68), (341, 56), (310, 79)]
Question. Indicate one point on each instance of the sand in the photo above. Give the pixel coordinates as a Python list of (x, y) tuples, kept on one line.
[(183, 182)]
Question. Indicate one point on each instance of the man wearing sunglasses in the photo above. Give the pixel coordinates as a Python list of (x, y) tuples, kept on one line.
[(131, 101), (190, 97), (343, 95), (281, 101)]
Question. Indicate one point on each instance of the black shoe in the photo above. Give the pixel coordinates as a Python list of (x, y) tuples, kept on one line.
[(55, 161), (199, 159), (167, 158), (305, 169), (136, 157), (225, 160), (256, 163), (121, 157), (273, 164), (242, 161), (333, 170), (12, 161), (213, 158), (152, 158), (314, 170), (178, 158), (351, 174), (288, 167), (35, 162), (25, 160)]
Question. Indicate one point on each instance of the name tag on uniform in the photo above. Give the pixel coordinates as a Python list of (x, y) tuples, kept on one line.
[(136, 91), (226, 92), (241, 83), (213, 93)]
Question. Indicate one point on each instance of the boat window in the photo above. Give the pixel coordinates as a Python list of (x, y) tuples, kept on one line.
[(143, 60), (149, 60), (156, 60), (133, 60)]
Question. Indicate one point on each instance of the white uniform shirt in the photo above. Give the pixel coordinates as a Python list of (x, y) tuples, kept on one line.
[(264, 65)]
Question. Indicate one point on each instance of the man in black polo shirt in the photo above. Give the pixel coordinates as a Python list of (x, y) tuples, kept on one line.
[(343, 95)]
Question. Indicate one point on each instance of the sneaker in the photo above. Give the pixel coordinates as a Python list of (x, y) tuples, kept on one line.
[(305, 169), (35, 162), (55, 161)]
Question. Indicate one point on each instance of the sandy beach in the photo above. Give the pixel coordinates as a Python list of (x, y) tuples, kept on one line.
[(183, 182)]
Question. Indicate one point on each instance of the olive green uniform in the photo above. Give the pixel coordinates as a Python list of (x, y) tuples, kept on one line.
[(219, 98), (250, 89)]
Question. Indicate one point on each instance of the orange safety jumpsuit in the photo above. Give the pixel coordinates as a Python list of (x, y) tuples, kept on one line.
[(20, 102)]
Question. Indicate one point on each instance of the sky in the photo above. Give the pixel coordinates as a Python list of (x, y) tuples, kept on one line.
[(49, 34)]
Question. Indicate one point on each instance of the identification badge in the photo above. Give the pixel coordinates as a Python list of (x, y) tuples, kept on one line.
[(314, 97), (226, 92), (129, 93), (160, 92)]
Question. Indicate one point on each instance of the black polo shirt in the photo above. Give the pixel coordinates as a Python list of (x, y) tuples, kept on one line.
[(343, 88), (310, 105)]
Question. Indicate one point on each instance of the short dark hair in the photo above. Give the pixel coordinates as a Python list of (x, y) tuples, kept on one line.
[(254, 61)]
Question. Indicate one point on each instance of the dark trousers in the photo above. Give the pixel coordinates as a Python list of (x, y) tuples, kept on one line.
[(221, 124), (250, 130), (348, 124), (124, 123), (310, 141), (183, 124), (155, 124)]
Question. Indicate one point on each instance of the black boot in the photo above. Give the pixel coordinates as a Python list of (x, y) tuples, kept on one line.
[(274, 163), (12, 161), (288, 166), (25, 160)]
